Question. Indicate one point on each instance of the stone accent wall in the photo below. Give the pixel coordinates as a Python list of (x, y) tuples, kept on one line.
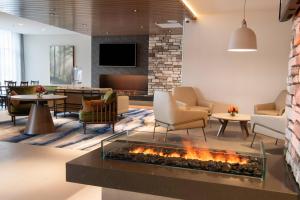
[(165, 62), (293, 103)]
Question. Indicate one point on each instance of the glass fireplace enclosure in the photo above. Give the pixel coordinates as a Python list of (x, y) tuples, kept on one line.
[(188, 153)]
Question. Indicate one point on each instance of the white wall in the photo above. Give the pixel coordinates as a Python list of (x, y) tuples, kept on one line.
[(37, 56), (243, 79)]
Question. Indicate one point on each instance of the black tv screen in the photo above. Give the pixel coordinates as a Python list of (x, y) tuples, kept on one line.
[(118, 55)]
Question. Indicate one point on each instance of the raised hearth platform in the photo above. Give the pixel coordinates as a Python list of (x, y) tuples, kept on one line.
[(91, 169)]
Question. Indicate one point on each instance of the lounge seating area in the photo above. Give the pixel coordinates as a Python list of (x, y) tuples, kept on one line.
[(173, 99), (93, 105), (179, 109)]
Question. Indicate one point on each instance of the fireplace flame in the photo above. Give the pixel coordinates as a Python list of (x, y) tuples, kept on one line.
[(194, 154)]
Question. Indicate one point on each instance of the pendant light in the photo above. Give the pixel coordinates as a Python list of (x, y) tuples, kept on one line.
[(243, 39)]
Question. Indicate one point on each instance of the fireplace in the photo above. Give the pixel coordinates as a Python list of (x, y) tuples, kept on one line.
[(134, 161), (134, 86), (185, 156)]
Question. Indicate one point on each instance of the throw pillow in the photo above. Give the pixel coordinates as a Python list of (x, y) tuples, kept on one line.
[(14, 102), (109, 97), (89, 102)]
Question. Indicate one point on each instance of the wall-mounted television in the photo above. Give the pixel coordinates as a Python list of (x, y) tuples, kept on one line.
[(118, 55)]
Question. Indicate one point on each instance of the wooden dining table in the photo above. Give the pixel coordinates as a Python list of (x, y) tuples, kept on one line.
[(40, 120)]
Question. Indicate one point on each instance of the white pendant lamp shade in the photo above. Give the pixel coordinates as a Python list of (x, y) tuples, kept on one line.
[(243, 39)]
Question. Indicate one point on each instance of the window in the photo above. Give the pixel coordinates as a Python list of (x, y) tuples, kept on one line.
[(10, 56)]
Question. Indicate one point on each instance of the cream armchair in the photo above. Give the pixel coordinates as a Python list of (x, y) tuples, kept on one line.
[(186, 97), (271, 126), (169, 115), (275, 108)]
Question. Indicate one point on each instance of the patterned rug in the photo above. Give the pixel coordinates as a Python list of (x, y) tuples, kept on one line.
[(69, 132)]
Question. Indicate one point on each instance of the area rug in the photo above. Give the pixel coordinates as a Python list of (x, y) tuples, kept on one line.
[(69, 132)]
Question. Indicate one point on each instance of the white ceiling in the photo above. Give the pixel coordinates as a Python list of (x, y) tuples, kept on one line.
[(25, 26), (221, 6)]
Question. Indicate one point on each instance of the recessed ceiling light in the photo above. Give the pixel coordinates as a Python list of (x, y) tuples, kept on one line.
[(169, 25), (52, 13), (135, 10), (172, 21), (20, 24), (141, 26), (170, 31)]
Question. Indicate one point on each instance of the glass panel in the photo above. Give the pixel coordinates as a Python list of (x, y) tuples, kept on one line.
[(192, 154)]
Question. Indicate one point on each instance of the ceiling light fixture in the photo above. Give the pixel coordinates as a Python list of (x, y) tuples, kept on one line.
[(169, 25), (190, 7), (20, 24), (243, 39)]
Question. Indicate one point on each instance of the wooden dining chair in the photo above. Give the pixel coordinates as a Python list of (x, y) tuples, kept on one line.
[(24, 83), (12, 83), (3, 96), (6, 83), (34, 82)]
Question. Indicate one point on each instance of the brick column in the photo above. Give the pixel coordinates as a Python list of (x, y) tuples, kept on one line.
[(165, 60), (293, 102)]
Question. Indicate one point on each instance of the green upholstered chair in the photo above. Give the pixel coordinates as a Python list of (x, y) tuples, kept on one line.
[(19, 108), (99, 110)]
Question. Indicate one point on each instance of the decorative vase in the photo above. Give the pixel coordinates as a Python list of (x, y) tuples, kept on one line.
[(39, 95)]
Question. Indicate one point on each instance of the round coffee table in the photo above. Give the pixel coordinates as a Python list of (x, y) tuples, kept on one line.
[(225, 117), (40, 120)]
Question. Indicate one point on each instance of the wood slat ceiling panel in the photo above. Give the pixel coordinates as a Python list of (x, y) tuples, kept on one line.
[(101, 17)]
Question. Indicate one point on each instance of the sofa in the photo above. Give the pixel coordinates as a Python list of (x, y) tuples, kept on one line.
[(275, 108), (73, 103)]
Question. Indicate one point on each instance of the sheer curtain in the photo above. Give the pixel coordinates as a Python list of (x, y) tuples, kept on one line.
[(10, 56)]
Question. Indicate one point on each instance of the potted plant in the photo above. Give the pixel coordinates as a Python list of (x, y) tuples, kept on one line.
[(233, 110)]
